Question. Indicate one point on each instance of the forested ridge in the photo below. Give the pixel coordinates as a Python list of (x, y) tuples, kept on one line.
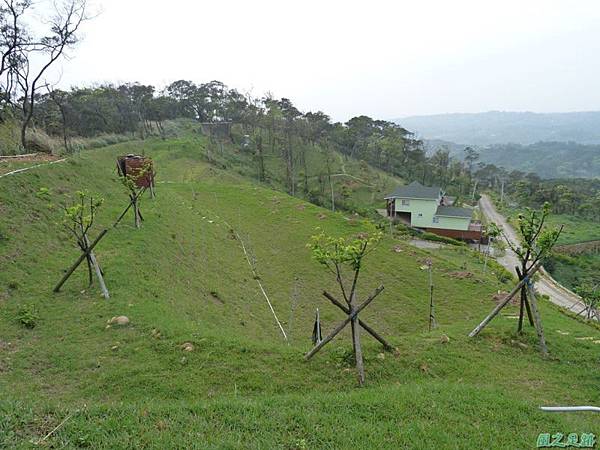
[(265, 126), (268, 127), (35, 115)]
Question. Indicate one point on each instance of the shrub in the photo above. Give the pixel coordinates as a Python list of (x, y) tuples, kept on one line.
[(503, 275), (28, 316), (499, 247), (437, 238)]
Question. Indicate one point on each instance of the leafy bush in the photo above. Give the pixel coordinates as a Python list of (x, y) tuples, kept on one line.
[(43, 193), (437, 238), (503, 275), (28, 316), (499, 247)]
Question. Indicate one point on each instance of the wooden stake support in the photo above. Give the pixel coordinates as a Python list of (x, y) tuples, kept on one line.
[(353, 319), (524, 302), (316, 335), (97, 269), (537, 318), (87, 252), (504, 302), (366, 327), (432, 322), (133, 201)]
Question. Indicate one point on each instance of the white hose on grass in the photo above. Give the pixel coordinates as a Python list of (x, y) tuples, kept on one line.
[(570, 408), (32, 167)]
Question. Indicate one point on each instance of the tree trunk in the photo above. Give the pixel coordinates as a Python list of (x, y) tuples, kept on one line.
[(521, 310), (290, 164), (360, 369), (305, 172), (24, 133), (538, 322), (261, 160), (524, 302), (64, 127), (330, 186)]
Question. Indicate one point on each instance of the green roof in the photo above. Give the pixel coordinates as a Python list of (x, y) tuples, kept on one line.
[(454, 211), (415, 190)]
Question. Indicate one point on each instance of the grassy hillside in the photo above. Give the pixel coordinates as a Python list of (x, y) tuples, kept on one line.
[(183, 278), (357, 186)]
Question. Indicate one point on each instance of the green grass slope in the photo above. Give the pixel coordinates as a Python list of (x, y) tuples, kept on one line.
[(183, 278), (357, 186)]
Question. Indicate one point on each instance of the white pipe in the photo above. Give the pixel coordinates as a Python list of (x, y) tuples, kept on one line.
[(570, 408), (32, 167)]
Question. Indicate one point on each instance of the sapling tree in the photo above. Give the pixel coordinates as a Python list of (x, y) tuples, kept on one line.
[(537, 240), (134, 193), (135, 190), (78, 219), (590, 296), (343, 258)]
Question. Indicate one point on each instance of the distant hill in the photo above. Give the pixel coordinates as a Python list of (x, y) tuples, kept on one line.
[(546, 159), (496, 127)]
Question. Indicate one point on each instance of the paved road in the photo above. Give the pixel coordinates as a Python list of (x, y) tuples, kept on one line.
[(546, 285)]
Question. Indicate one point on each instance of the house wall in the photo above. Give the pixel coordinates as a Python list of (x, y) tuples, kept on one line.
[(426, 209), (452, 223)]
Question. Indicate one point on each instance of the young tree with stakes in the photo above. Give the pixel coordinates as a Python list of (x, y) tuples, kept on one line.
[(135, 191), (78, 220), (590, 296), (536, 243), (338, 255)]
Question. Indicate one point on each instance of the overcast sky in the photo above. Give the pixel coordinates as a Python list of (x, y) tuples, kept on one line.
[(385, 59)]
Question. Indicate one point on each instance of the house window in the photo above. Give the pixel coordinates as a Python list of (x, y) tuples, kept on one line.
[(405, 202), (436, 219)]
